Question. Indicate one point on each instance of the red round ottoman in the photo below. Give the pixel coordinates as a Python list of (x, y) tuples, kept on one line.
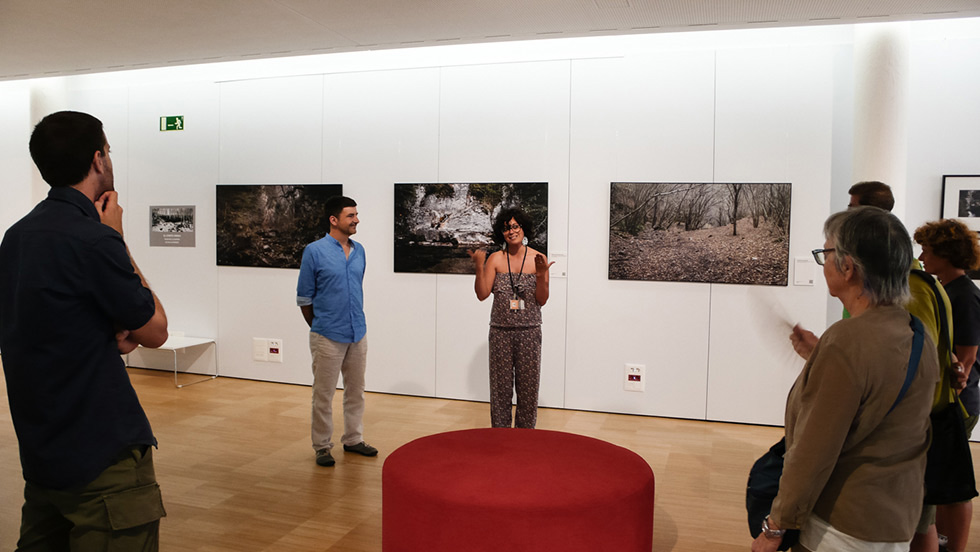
[(515, 489)]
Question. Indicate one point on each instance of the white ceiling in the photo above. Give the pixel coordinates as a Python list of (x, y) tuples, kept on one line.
[(40, 38)]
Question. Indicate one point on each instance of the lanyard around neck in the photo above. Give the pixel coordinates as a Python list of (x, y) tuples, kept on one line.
[(511, 274)]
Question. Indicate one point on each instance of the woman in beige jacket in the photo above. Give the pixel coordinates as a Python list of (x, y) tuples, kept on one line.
[(854, 466)]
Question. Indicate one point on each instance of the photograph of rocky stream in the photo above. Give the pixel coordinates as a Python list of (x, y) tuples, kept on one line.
[(436, 224)]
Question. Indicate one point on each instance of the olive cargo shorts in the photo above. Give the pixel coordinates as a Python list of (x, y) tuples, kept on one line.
[(119, 510)]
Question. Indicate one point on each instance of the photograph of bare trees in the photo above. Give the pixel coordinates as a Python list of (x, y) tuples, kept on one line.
[(730, 233), (269, 225), (436, 224)]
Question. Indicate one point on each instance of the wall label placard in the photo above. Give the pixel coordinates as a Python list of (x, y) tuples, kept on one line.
[(172, 225), (175, 122)]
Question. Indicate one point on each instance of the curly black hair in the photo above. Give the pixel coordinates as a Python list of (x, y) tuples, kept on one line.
[(503, 218)]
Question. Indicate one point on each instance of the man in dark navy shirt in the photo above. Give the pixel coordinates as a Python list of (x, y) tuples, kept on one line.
[(71, 301)]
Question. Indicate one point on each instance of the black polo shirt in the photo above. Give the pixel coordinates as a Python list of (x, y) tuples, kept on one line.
[(66, 284)]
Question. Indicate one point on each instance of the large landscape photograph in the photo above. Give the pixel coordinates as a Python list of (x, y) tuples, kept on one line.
[(731, 233), (269, 225), (436, 224)]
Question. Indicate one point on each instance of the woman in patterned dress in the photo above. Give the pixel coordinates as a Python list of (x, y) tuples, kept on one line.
[(519, 291)]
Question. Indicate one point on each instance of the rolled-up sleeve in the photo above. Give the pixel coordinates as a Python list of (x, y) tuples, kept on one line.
[(306, 286)]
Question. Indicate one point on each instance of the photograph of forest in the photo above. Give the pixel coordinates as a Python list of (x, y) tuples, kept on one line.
[(436, 224), (269, 225), (731, 233)]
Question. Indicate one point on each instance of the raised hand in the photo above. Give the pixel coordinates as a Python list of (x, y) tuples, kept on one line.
[(803, 341), (479, 256), (541, 264)]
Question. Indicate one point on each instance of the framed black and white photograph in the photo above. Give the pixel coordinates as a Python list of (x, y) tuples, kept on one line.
[(961, 199), (172, 226), (436, 224), (269, 225), (728, 233)]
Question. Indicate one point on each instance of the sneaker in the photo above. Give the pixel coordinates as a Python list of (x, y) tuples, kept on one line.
[(323, 458), (361, 448)]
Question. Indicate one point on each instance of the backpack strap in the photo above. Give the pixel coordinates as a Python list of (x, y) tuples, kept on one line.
[(945, 337), (918, 336)]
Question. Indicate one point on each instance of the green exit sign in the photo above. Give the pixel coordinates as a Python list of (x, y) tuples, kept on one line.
[(172, 123)]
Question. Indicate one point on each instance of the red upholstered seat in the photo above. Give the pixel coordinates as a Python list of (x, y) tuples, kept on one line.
[(516, 489)]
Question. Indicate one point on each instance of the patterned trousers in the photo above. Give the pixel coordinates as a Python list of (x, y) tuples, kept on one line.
[(515, 363)]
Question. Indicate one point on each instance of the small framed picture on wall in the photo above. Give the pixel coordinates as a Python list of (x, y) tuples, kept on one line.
[(961, 199)]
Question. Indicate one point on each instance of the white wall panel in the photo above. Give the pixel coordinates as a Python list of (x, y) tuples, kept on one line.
[(944, 123), (462, 352), (15, 159), (502, 123), (647, 119), (261, 303), (380, 128), (176, 168), (270, 132), (773, 124)]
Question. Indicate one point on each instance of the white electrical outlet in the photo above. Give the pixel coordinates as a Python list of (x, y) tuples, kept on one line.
[(260, 349), (275, 350), (635, 377)]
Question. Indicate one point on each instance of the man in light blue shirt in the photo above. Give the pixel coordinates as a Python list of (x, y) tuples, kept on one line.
[(330, 294)]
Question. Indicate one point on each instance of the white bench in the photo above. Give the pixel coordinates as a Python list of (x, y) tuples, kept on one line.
[(176, 343)]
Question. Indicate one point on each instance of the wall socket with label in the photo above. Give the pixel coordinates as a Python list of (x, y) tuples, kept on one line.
[(267, 349), (635, 377)]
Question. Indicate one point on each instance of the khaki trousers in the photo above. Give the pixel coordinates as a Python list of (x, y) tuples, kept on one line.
[(330, 360)]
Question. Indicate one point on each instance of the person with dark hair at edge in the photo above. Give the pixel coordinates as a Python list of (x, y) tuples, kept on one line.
[(72, 300), (330, 294), (873, 193), (519, 291)]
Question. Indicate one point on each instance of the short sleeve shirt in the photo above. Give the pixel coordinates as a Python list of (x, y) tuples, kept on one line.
[(965, 298), (66, 287)]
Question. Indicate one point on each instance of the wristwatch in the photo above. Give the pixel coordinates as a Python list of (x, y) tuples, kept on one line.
[(771, 533)]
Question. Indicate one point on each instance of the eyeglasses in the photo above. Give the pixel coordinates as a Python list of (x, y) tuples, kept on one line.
[(512, 227), (820, 255)]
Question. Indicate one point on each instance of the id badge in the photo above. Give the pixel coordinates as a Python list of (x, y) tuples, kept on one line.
[(516, 304)]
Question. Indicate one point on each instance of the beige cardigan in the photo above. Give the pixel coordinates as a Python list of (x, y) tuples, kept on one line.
[(846, 461)]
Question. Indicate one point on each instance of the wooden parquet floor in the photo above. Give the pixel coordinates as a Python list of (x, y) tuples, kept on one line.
[(237, 471)]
